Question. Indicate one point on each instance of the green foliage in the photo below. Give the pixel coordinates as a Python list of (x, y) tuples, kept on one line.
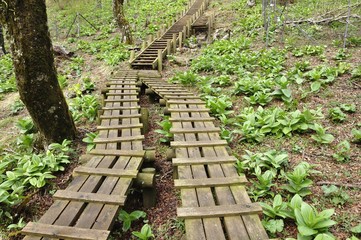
[(63, 81), (356, 229), (298, 182), (350, 107), (356, 72), (7, 75), (128, 218), (262, 187), (321, 136), (308, 50), (336, 195), (17, 107), (342, 152), (145, 233), (166, 125), (337, 115), (356, 134), (341, 54), (310, 222), (89, 139), (219, 105), (85, 106), (185, 78), (273, 225), (277, 209), (26, 125)]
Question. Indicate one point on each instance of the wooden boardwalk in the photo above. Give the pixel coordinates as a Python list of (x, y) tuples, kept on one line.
[(87, 207), (215, 204)]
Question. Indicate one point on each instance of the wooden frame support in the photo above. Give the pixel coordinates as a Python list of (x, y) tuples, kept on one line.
[(144, 119)]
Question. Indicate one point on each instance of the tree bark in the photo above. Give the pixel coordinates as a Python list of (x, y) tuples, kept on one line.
[(123, 24), (2, 42), (36, 77)]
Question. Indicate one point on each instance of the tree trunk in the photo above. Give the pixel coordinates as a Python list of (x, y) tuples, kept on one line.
[(36, 78), (2, 42), (123, 24)]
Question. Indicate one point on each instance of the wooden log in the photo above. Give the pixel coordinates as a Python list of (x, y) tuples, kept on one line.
[(144, 119), (180, 34), (149, 192), (144, 45), (132, 55), (149, 156), (170, 153), (145, 180), (169, 47), (162, 102), (160, 60), (174, 39), (149, 91)]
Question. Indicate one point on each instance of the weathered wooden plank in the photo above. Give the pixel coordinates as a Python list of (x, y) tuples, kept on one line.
[(203, 160), (122, 100), (120, 108), (189, 110), (123, 94), (219, 211), (209, 182), (123, 88), (171, 97), (195, 130), (191, 119), (117, 127), (198, 143), (64, 232), (111, 172), (118, 139), (120, 116), (113, 152), (89, 197), (199, 102)]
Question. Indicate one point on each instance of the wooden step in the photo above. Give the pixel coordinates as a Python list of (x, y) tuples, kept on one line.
[(188, 110), (185, 102), (122, 94), (195, 130), (191, 119), (113, 152), (63, 232), (121, 108), (117, 127), (106, 172), (120, 116), (89, 197), (118, 139), (209, 182), (171, 97), (123, 88), (219, 211), (209, 143), (122, 100), (204, 160)]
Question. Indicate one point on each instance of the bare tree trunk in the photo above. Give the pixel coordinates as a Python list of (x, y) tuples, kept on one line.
[(347, 23), (123, 24), (2, 42), (36, 78)]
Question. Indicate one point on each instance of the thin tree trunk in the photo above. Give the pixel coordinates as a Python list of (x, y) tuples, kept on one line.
[(123, 24), (37, 82), (347, 23), (2, 42)]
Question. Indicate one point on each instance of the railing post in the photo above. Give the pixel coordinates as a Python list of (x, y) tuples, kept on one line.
[(174, 42), (180, 39), (160, 60), (132, 56), (169, 47)]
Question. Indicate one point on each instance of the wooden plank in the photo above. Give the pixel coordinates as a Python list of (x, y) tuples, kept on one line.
[(209, 182), (124, 88), (188, 110), (123, 94), (120, 116), (191, 119), (106, 172), (191, 96), (195, 130), (198, 143), (122, 100), (89, 197), (203, 160), (185, 102), (219, 211), (113, 152), (64, 232), (118, 139), (117, 127), (120, 108), (123, 83)]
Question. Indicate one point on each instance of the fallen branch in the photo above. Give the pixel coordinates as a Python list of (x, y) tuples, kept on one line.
[(348, 185), (322, 21)]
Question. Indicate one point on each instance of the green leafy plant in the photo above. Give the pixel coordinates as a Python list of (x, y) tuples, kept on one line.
[(262, 186), (26, 126), (166, 125), (298, 182), (337, 196), (350, 108), (356, 134), (321, 136), (337, 115), (341, 54), (273, 225), (342, 152), (145, 233), (277, 209), (128, 218), (7, 74), (310, 222), (219, 105), (17, 107), (185, 78), (85, 106), (63, 81), (89, 139)]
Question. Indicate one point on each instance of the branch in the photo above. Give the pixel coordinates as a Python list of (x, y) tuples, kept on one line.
[(323, 21), (348, 185)]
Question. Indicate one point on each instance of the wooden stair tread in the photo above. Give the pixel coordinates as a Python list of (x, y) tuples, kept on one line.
[(203, 160), (195, 130), (121, 108), (113, 152), (106, 172), (185, 102), (188, 110), (198, 143), (219, 211), (123, 126), (118, 139), (122, 100), (90, 197), (64, 232), (191, 119), (120, 116), (122, 94), (209, 182)]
